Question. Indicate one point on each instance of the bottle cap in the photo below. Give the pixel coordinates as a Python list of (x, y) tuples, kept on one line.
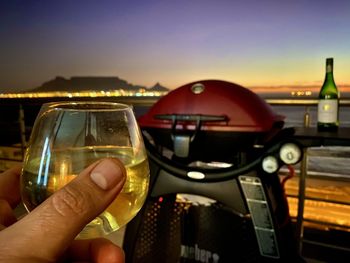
[(329, 61)]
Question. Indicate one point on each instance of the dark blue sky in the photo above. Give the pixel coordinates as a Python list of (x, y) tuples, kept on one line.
[(250, 42)]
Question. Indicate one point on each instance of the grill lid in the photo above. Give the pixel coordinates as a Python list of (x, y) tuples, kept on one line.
[(213, 105)]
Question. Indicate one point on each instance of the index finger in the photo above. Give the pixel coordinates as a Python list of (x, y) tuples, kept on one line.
[(9, 185)]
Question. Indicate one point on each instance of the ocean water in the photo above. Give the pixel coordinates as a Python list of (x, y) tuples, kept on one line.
[(294, 115)]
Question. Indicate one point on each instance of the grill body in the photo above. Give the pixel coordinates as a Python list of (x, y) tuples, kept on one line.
[(209, 198)]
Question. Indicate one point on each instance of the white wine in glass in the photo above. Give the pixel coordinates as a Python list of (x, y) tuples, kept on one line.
[(69, 136)]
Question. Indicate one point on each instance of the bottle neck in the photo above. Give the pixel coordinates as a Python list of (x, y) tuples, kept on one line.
[(329, 77), (329, 73), (329, 68)]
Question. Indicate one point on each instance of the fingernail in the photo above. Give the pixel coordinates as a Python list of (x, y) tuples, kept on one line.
[(106, 174)]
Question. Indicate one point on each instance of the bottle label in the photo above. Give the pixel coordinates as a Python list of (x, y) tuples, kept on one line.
[(328, 111)]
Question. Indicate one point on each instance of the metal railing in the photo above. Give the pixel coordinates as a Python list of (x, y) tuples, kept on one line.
[(303, 176)]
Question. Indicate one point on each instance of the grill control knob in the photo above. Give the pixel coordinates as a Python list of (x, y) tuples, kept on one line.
[(290, 153), (270, 164)]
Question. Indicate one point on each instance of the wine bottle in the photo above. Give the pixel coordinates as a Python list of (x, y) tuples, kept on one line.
[(328, 102)]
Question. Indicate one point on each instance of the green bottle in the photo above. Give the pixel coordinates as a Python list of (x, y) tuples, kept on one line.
[(328, 102)]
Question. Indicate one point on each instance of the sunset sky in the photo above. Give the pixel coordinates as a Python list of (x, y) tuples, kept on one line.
[(249, 42)]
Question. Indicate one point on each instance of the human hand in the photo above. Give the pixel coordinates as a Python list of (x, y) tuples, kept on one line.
[(47, 233)]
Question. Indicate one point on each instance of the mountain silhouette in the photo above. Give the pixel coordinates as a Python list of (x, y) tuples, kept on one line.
[(92, 83), (158, 87)]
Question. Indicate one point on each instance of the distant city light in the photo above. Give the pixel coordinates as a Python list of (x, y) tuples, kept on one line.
[(299, 93), (89, 93)]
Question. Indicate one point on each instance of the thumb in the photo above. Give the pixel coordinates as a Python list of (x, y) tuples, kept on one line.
[(50, 228)]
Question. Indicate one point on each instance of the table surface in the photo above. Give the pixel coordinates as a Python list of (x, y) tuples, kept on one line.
[(310, 137)]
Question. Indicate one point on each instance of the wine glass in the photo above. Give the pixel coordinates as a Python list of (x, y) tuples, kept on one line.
[(69, 136)]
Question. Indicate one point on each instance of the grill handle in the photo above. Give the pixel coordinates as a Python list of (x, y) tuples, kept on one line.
[(191, 117), (182, 142), (210, 175)]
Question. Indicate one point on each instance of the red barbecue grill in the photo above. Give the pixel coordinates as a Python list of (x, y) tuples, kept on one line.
[(224, 117), (214, 149)]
